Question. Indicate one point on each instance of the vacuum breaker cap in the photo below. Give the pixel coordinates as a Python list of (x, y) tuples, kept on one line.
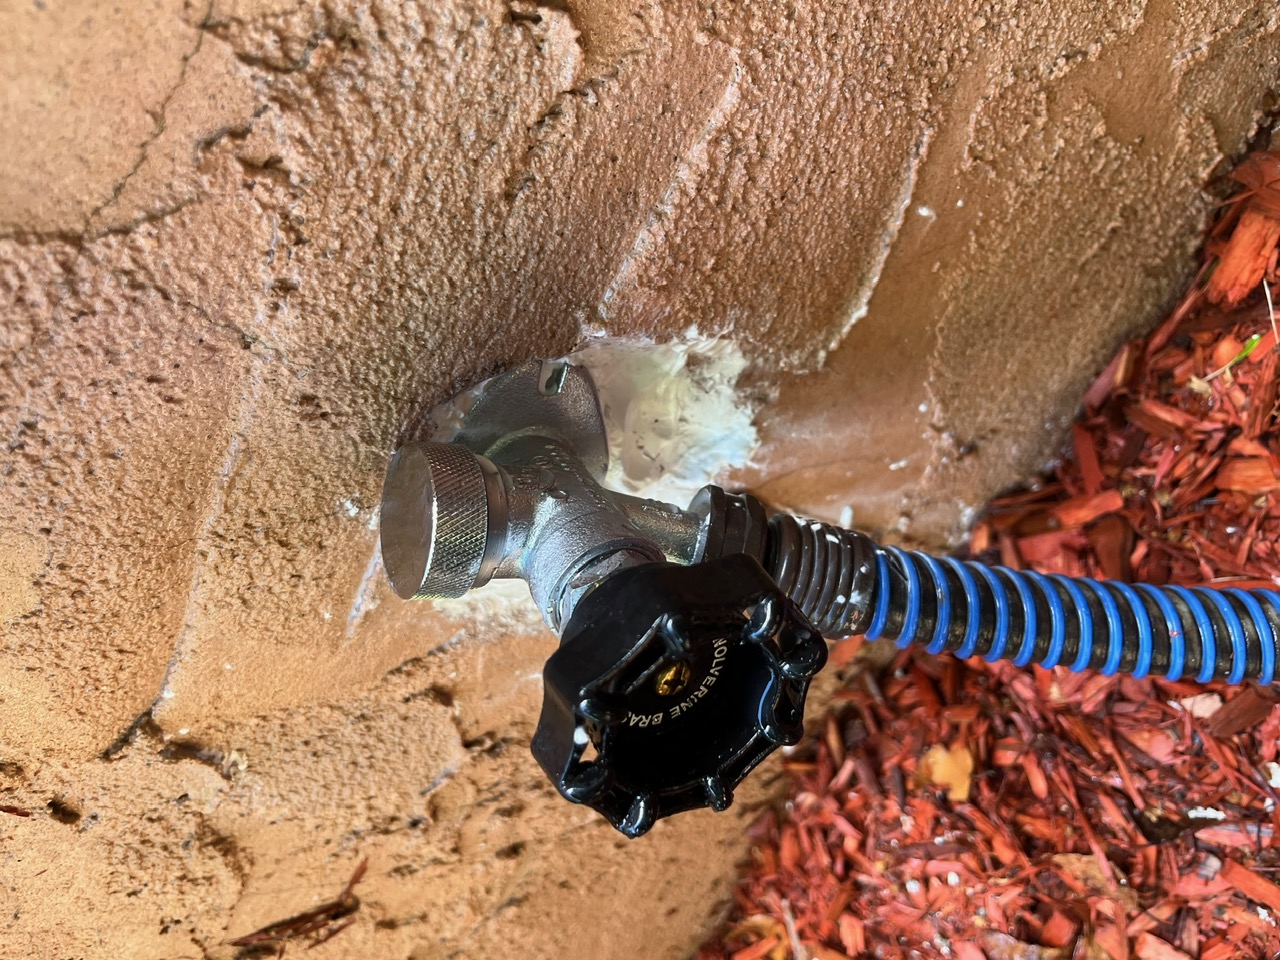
[(435, 520)]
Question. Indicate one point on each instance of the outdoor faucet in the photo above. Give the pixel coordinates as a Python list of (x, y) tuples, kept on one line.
[(689, 636)]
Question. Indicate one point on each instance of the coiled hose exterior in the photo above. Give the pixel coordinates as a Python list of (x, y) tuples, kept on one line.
[(970, 609), (846, 584)]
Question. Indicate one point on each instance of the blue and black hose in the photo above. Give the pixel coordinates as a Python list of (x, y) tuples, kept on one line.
[(847, 584)]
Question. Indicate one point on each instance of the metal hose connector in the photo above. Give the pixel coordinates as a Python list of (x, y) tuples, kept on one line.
[(970, 609), (827, 571)]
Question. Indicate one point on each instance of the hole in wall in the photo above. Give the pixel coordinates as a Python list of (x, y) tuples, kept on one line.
[(63, 811), (511, 851)]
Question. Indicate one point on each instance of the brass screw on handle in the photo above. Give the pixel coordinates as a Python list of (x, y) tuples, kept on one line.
[(673, 679)]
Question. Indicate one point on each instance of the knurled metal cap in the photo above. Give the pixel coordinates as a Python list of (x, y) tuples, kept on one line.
[(434, 520)]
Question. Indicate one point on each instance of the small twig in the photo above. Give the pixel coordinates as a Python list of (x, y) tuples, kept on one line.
[(1271, 314), (1249, 346), (788, 918), (316, 925)]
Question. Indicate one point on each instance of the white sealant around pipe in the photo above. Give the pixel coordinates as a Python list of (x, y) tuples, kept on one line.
[(675, 421)]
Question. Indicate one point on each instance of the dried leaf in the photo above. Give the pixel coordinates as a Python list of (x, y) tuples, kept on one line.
[(950, 768), (1086, 869), (1001, 946)]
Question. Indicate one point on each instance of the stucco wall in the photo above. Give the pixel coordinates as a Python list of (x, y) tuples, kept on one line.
[(246, 245)]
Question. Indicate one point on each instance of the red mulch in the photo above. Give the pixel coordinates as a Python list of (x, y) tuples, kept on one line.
[(972, 811)]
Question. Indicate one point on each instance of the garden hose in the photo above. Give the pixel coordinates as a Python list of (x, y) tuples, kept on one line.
[(971, 609)]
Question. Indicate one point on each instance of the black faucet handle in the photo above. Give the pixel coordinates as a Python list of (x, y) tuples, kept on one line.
[(670, 684)]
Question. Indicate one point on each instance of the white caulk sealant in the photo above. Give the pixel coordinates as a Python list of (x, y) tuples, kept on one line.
[(674, 418)]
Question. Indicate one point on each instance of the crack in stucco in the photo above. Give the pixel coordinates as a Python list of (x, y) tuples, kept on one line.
[(216, 317), (330, 29), (586, 88), (91, 231), (158, 129), (85, 236), (127, 736)]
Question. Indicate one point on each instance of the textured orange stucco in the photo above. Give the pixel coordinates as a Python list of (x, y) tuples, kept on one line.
[(246, 245)]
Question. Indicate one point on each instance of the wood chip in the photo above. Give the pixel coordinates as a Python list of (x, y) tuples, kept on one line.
[(1150, 947), (1254, 887), (1251, 475)]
